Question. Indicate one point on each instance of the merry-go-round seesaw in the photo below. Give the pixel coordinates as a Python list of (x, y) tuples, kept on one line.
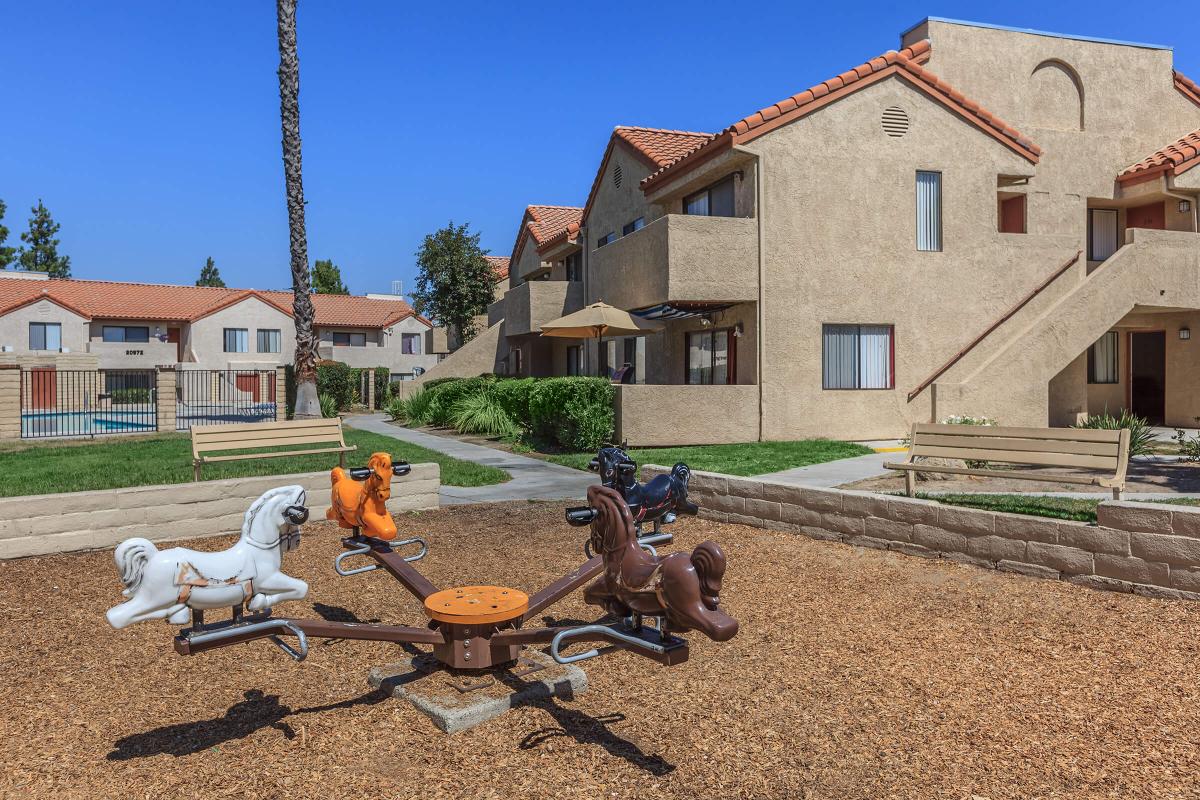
[(470, 627)]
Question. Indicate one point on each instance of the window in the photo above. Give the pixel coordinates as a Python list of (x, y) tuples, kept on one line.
[(715, 201), (574, 264), (607, 238), (1012, 213), (346, 339), (268, 340), (410, 343), (636, 225), (237, 340), (631, 348), (929, 211), (710, 357), (45, 336), (575, 360), (1102, 233), (857, 357), (514, 360), (125, 333), (1102, 360)]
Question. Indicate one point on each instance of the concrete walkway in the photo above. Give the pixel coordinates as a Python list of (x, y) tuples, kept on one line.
[(532, 479), (835, 473)]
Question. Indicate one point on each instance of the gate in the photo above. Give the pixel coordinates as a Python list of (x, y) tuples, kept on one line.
[(216, 396), (76, 402)]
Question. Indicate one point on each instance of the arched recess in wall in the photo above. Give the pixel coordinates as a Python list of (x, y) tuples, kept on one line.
[(1056, 96)]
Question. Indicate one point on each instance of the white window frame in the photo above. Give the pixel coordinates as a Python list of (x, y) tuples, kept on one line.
[(929, 211)]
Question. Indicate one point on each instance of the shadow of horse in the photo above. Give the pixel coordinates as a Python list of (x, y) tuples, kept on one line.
[(257, 711)]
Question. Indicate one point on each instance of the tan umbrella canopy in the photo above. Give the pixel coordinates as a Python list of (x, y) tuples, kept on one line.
[(598, 320)]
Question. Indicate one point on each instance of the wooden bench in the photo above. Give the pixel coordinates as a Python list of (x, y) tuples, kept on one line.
[(208, 439), (1034, 447)]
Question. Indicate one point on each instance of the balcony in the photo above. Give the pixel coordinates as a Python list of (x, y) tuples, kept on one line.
[(679, 258), (533, 304)]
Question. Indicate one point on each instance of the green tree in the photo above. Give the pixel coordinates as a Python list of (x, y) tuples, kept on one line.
[(327, 278), (307, 404), (41, 255), (7, 254), (454, 280), (210, 275)]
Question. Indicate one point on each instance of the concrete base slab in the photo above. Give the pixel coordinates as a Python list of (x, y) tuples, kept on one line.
[(430, 688)]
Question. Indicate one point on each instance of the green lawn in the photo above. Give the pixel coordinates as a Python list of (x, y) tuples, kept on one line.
[(1079, 509), (31, 467), (752, 458)]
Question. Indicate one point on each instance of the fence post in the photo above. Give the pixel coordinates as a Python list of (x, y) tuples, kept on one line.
[(10, 401), (280, 393), (370, 389), (164, 398)]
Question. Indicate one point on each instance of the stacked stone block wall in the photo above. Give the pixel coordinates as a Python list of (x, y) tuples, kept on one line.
[(1150, 549)]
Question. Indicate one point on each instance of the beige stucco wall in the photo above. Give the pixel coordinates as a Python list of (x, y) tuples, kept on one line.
[(205, 343), (381, 349), (532, 304), (14, 326), (661, 416)]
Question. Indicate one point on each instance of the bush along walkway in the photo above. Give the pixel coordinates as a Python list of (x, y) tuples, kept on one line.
[(531, 479)]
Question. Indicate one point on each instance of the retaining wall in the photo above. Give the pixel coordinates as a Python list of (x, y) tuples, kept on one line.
[(1150, 549), (58, 523)]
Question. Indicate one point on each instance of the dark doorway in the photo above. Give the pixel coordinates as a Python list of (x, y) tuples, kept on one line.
[(1148, 375)]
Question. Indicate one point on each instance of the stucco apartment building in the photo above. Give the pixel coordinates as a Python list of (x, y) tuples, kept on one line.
[(109, 326), (986, 221)]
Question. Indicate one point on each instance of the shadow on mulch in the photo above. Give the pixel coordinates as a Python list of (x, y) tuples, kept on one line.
[(257, 711), (589, 730)]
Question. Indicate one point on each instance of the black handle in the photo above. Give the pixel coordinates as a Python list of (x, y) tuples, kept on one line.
[(401, 468), (594, 464), (359, 473), (581, 515), (628, 466)]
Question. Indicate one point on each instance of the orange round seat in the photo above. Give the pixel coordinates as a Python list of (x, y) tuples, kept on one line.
[(476, 605)]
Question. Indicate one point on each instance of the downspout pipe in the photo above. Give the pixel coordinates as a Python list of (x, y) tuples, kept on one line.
[(761, 332)]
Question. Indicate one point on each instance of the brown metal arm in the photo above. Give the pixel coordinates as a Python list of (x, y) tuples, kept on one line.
[(564, 586), (319, 628)]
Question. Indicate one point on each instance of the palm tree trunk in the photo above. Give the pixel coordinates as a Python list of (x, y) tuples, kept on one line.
[(305, 362)]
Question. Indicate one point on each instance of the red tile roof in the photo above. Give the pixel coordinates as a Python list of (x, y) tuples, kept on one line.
[(905, 65), (153, 301), (544, 223), (656, 147), (499, 266), (1176, 158), (1187, 87)]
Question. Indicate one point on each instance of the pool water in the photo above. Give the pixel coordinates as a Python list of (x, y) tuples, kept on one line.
[(86, 423)]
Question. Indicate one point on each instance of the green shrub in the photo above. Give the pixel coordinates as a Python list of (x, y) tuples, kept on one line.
[(329, 407), (385, 390), (575, 412), (445, 395), (339, 382), (133, 394), (1141, 436), (481, 413), (513, 396)]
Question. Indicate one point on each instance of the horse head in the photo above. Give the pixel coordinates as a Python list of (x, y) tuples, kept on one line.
[(275, 519), (612, 523), (615, 467), (379, 483)]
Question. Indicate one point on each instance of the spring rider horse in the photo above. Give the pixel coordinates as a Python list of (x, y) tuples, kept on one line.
[(658, 501), (359, 496)]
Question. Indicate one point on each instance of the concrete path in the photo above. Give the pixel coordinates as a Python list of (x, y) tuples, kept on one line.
[(835, 473), (532, 479)]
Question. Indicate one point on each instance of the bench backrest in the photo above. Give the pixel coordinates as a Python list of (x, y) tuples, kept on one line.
[(212, 438), (1043, 447)]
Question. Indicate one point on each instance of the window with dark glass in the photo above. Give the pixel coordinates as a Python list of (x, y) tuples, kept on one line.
[(237, 340), (45, 336), (268, 340), (575, 360), (1102, 360), (125, 333), (574, 264), (607, 238), (710, 357), (636, 225), (713, 201), (857, 357), (347, 339)]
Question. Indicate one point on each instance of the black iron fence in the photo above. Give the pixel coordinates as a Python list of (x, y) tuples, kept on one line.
[(76, 402), (216, 396)]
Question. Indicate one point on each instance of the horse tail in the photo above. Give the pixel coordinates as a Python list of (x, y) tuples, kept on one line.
[(681, 473), (131, 556), (336, 476), (709, 561)]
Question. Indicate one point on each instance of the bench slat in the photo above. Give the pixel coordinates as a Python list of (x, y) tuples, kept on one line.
[(246, 444), (244, 456), (996, 473), (1017, 457), (1057, 434), (1024, 445), (332, 422), (266, 436)]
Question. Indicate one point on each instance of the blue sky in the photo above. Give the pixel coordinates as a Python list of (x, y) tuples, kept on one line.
[(151, 129)]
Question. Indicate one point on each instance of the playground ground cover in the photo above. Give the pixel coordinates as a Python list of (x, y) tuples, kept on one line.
[(856, 674), (76, 465)]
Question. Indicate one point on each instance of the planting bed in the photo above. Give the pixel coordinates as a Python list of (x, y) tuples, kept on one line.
[(856, 674)]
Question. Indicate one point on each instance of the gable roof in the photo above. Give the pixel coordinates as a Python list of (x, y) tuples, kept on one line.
[(544, 223), (905, 64), (169, 303), (1176, 158), (1187, 87), (499, 265), (655, 147)]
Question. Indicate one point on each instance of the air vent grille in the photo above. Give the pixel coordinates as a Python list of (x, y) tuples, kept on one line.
[(617, 177), (895, 122)]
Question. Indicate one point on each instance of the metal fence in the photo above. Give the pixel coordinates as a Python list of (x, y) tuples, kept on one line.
[(215, 397), (70, 402)]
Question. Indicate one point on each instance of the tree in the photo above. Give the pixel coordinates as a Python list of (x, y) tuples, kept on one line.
[(327, 278), (7, 254), (305, 360), (42, 253), (210, 275), (454, 280)]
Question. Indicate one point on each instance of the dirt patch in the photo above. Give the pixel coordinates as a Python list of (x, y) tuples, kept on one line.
[(856, 674), (1176, 477)]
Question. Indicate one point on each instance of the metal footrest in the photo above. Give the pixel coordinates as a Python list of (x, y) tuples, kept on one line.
[(252, 628), (365, 548), (647, 543), (651, 642)]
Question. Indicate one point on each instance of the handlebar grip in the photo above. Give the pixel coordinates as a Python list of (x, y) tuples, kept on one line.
[(581, 515), (594, 464), (627, 467), (401, 468), (359, 473)]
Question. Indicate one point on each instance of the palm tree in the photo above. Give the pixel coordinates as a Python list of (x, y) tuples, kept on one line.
[(305, 362)]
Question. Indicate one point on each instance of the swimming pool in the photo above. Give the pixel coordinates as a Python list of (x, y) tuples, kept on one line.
[(40, 424)]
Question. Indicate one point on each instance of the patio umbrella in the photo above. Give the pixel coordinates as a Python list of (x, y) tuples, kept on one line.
[(597, 321)]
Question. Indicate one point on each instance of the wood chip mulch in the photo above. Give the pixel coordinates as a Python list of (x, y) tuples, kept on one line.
[(856, 674)]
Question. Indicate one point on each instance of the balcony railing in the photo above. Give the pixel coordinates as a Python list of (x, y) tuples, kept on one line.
[(534, 303), (679, 258)]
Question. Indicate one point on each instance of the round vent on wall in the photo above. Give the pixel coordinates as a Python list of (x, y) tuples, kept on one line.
[(617, 175), (895, 122)]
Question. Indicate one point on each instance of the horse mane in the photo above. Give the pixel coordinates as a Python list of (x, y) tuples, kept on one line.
[(613, 514), (258, 504)]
